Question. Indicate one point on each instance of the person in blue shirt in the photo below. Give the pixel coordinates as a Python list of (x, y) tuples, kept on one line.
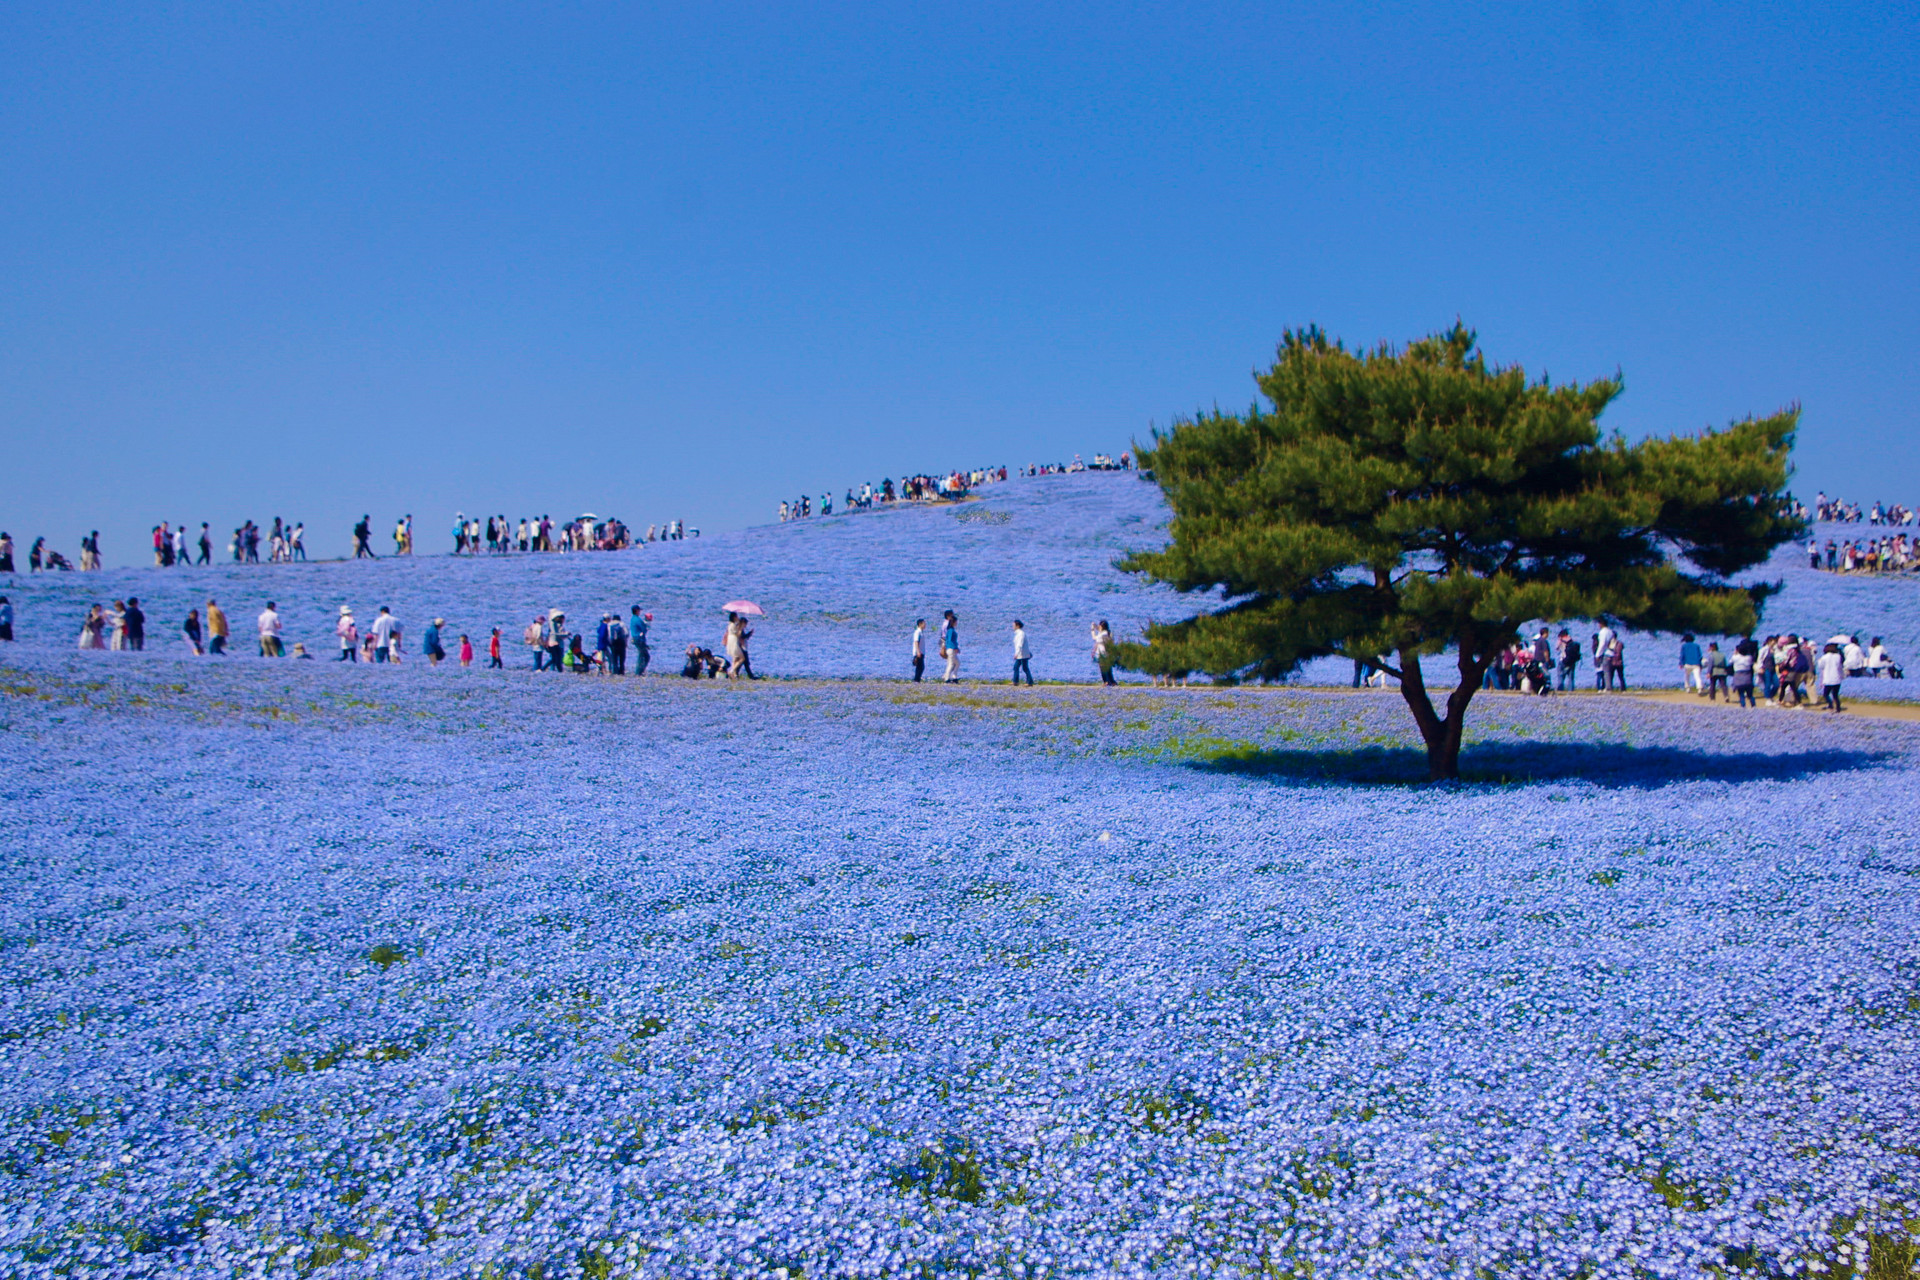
[(430, 643), (950, 648), (6, 619), (1690, 665), (637, 630)]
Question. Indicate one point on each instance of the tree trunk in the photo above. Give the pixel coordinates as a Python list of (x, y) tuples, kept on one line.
[(1442, 736), (1443, 750)]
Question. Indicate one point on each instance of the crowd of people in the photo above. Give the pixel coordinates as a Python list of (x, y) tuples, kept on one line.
[(1835, 511), (1781, 670), (1889, 553), (951, 487)]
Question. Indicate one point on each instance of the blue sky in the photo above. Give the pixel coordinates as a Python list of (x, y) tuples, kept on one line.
[(318, 260)]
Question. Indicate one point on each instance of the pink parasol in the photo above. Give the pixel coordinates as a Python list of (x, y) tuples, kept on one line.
[(747, 607)]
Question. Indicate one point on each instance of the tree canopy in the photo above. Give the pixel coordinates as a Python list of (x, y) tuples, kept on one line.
[(1391, 504)]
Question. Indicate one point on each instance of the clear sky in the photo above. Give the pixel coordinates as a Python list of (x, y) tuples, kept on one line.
[(312, 260)]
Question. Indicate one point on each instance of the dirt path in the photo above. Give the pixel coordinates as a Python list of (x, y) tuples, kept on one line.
[(1871, 710)]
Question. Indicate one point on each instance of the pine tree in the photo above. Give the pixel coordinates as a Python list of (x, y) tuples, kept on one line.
[(1398, 503)]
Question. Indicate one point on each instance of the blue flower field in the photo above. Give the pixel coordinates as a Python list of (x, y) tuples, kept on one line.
[(312, 969)]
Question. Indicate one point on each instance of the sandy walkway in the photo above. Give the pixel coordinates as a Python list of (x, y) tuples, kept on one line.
[(1853, 707)]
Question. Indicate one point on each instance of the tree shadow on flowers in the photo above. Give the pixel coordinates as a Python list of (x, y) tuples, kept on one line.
[(1602, 764)]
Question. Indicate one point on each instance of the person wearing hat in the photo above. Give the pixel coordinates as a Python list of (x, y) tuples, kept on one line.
[(556, 640), (430, 643), (349, 634)]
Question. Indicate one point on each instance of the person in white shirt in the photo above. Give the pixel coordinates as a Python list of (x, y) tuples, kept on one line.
[(1855, 656), (1879, 661), (382, 633), (1602, 646), (269, 623), (1832, 668), (349, 634), (1021, 654), (919, 653)]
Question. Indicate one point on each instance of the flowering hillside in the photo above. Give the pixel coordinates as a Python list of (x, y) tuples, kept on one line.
[(842, 591), (372, 972)]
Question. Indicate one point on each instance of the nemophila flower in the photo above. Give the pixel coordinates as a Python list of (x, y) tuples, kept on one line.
[(690, 979)]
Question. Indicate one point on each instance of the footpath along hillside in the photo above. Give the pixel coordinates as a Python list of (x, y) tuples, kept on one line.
[(842, 591)]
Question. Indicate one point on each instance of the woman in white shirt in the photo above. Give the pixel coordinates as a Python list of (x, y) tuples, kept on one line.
[(1832, 668)]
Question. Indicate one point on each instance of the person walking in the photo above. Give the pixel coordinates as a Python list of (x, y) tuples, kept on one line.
[(190, 631), (430, 643), (950, 647), (1833, 669), (363, 539), (136, 624), (6, 620), (1103, 651), (1740, 669), (348, 632), (1690, 665), (466, 652), (6, 552), (382, 632), (919, 649), (216, 629), (493, 651), (556, 638), (1717, 670), (638, 626), (269, 625), (1022, 656), (206, 544)]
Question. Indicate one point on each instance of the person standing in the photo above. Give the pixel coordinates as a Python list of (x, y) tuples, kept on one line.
[(297, 541), (349, 633), (638, 628), (117, 624), (382, 633), (531, 638), (190, 631), (269, 625), (466, 652), (216, 628), (950, 647), (603, 641), (6, 553), (1103, 651), (430, 643), (1617, 664), (730, 644), (1832, 669), (136, 624), (1569, 660), (206, 544), (617, 638), (1022, 655), (1740, 668), (919, 648), (493, 651), (556, 638), (6, 620)]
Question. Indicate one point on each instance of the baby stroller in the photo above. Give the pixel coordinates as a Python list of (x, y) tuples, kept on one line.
[(57, 561)]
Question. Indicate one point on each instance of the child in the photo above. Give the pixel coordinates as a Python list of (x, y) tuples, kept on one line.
[(493, 649), (466, 651)]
